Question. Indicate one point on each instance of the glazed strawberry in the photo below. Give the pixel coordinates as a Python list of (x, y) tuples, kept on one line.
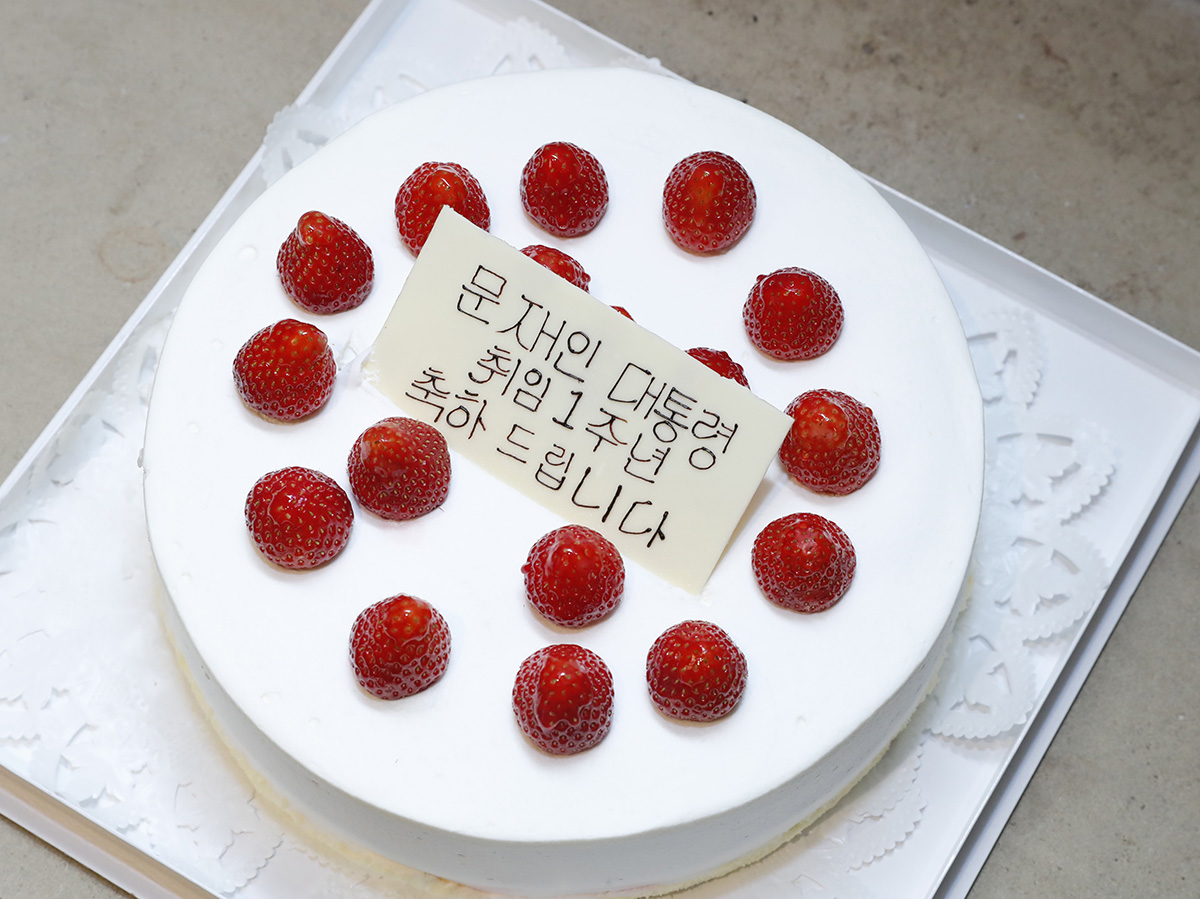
[(574, 576), (695, 672), (298, 518), (399, 647), (564, 190), (563, 698), (792, 314), (562, 264), (803, 562), (431, 186), (708, 202), (324, 265), (833, 445), (400, 468), (285, 371), (720, 362)]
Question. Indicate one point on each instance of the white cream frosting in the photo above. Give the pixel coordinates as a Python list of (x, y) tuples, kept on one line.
[(444, 781)]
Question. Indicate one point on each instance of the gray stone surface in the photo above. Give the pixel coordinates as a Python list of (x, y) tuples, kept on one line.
[(1064, 130)]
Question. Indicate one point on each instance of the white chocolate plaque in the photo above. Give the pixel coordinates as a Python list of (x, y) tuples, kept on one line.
[(565, 399)]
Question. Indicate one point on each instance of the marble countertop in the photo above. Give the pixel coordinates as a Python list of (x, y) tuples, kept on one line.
[(1065, 131)]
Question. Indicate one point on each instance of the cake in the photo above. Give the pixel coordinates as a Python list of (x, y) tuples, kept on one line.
[(444, 781)]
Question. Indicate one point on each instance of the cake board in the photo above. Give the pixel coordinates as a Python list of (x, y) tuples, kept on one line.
[(1071, 332)]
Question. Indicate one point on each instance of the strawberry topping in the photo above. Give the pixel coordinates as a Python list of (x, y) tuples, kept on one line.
[(803, 562), (324, 265), (695, 672), (286, 371), (833, 446), (574, 576), (400, 468), (562, 264), (563, 698), (431, 186), (793, 314), (399, 647), (298, 518), (720, 362), (708, 202), (564, 190)]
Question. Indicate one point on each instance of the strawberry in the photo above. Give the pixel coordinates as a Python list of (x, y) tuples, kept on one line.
[(562, 264), (793, 314), (563, 698), (803, 562), (431, 186), (298, 518), (833, 445), (720, 362), (564, 190), (285, 371), (324, 265), (399, 646), (695, 672), (574, 576), (624, 312), (400, 468), (708, 202)]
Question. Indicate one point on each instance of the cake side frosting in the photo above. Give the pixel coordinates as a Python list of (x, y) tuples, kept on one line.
[(443, 781), (312, 819)]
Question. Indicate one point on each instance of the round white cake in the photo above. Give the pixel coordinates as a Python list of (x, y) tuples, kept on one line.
[(444, 781)]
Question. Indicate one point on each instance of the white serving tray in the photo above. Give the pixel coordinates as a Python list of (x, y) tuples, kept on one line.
[(111, 761)]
